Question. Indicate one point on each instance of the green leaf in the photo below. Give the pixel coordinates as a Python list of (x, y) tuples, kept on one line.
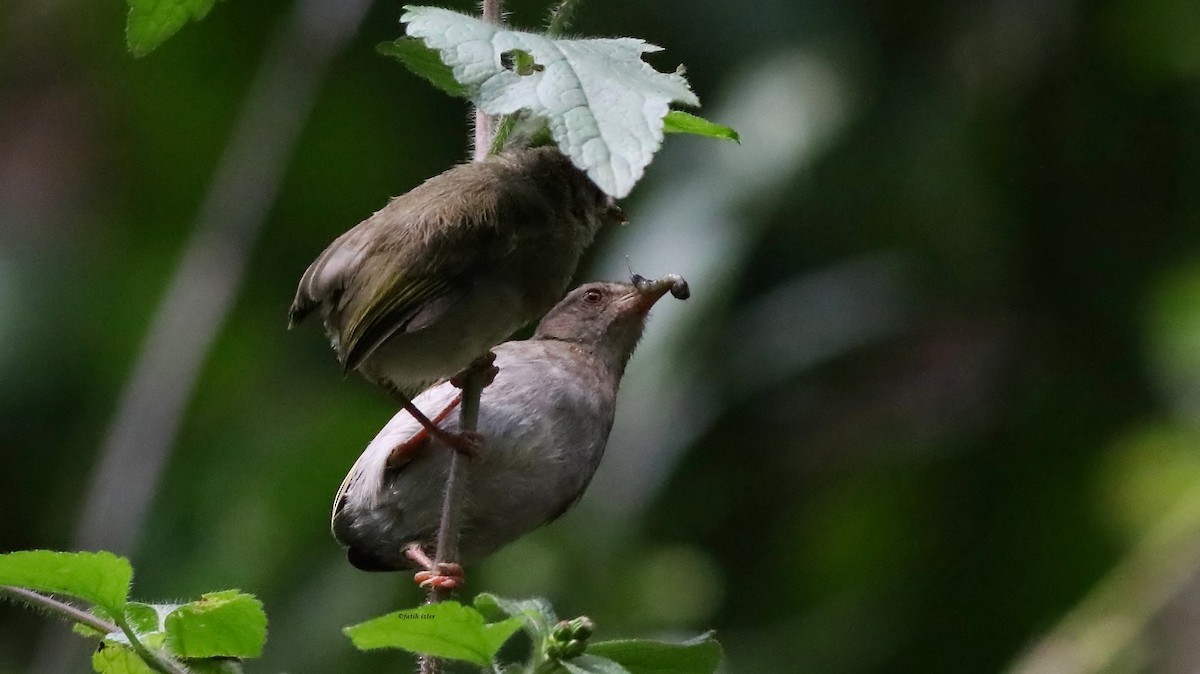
[(678, 121), (151, 22), (219, 624), (591, 664), (444, 630), (113, 659), (604, 104), (146, 620), (537, 613), (98, 577), (697, 656), (143, 618), (425, 62)]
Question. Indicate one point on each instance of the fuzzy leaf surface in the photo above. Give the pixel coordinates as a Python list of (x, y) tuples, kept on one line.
[(604, 104)]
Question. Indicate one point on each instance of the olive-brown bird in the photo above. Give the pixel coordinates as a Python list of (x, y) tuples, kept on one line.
[(441, 274)]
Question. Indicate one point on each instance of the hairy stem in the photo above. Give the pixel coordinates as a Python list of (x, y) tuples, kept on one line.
[(58, 608), (493, 11), (37, 600)]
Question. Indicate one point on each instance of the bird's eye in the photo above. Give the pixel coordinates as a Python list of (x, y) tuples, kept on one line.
[(592, 296)]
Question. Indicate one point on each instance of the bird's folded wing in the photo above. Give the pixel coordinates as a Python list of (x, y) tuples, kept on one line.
[(404, 306), (390, 294)]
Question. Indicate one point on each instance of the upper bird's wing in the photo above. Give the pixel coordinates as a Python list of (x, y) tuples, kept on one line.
[(411, 262)]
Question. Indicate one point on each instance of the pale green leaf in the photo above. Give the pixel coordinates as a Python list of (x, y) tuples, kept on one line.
[(219, 624), (423, 61), (143, 618), (537, 613), (151, 22), (444, 630), (604, 104), (591, 664), (678, 121), (698, 656), (110, 658), (101, 578)]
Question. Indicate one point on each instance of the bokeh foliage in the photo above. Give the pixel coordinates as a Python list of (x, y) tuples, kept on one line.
[(949, 367)]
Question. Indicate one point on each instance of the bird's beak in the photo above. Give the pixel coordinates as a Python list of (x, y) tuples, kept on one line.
[(647, 292)]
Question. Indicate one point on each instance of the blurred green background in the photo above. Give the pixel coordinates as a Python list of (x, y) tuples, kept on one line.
[(938, 386)]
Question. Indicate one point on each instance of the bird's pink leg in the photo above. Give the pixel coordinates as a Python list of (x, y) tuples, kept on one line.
[(468, 443), (446, 575), (403, 452)]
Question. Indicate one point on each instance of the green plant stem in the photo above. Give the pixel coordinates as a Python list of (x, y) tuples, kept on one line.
[(154, 659), (58, 608)]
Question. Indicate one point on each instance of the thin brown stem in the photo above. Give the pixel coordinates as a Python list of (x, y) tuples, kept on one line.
[(451, 522), (473, 382), (472, 386)]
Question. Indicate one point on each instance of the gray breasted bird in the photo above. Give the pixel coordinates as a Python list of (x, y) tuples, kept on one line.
[(546, 417), (441, 274)]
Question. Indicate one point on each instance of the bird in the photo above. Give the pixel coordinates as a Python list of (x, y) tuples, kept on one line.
[(427, 285), (547, 416)]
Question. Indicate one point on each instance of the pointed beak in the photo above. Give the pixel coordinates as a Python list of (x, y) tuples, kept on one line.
[(647, 292)]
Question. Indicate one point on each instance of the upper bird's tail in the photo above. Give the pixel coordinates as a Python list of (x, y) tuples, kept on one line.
[(301, 307)]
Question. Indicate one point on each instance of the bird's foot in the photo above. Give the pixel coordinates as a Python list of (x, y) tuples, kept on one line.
[(468, 443), (441, 575), (485, 364)]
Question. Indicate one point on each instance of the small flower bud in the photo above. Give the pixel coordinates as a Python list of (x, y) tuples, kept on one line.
[(562, 631), (573, 649), (582, 627)]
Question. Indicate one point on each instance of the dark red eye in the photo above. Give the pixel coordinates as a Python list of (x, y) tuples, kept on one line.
[(593, 296)]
